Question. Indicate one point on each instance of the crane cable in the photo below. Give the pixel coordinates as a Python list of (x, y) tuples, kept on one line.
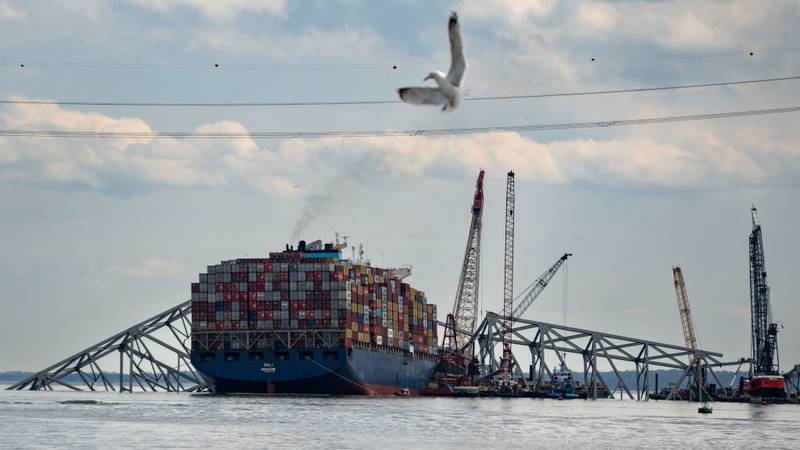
[(384, 102), (386, 133)]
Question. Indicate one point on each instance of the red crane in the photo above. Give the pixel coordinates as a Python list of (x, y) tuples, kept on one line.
[(466, 305)]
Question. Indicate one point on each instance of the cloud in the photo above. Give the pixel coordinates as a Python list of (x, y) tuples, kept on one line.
[(151, 268), (680, 24), (217, 9), (9, 11), (631, 161), (320, 43), (695, 157), (512, 10), (137, 164)]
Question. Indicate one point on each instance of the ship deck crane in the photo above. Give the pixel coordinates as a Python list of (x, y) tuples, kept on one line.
[(530, 293)]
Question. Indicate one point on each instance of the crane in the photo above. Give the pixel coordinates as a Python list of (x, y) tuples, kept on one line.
[(764, 331), (766, 381), (454, 368), (508, 284), (466, 304), (532, 292), (689, 332), (687, 322)]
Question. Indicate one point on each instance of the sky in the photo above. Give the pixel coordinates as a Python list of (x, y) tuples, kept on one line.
[(98, 234)]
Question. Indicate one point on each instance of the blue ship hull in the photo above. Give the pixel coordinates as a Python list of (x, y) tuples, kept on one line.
[(338, 371)]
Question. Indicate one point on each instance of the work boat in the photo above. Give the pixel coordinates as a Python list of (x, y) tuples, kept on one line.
[(562, 384)]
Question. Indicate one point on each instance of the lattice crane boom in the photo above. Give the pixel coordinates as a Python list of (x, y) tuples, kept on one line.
[(685, 312), (530, 293), (508, 281), (466, 305), (764, 331)]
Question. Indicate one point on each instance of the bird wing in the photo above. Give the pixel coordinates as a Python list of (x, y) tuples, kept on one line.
[(457, 62), (422, 95)]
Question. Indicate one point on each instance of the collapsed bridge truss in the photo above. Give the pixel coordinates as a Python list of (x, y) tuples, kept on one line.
[(154, 352), (619, 352)]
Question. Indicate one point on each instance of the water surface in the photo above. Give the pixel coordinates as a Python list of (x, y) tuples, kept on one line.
[(167, 420)]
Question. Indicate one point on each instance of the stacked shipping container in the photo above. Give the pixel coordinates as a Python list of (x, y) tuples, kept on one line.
[(299, 292)]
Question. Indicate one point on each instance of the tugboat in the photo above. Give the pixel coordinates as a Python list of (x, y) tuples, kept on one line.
[(562, 385), (405, 392)]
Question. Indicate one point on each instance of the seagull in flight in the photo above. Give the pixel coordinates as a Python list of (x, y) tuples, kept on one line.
[(447, 93)]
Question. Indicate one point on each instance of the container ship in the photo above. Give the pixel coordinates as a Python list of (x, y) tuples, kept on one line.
[(308, 321)]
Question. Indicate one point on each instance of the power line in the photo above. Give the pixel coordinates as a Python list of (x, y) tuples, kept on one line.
[(23, 63), (385, 133), (384, 102)]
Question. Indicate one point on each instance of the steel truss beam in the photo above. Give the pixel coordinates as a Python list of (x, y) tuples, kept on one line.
[(142, 347), (639, 355), (792, 378)]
